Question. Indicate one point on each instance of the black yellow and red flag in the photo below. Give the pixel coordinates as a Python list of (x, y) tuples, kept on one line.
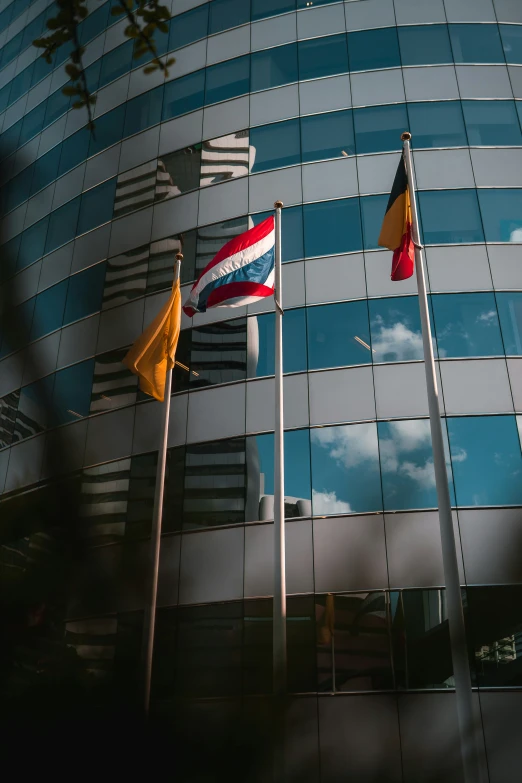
[(396, 232)]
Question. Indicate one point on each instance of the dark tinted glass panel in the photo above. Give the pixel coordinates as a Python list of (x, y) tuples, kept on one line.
[(291, 232), (326, 136), (227, 80), (323, 57), (174, 487), (10, 138), (492, 123), (450, 216), (476, 43), (345, 469), (274, 67), (48, 311), (228, 13), (425, 44), (72, 392), (261, 341), (373, 209), (437, 124), (224, 158), (263, 8), (272, 146), (338, 335), (141, 494), (109, 130), (16, 328), (396, 329), (379, 128), (97, 206), (85, 293), (486, 460), (372, 49), (92, 75), (8, 408), (4, 96), (466, 325), (94, 24), (45, 169), (183, 170), (33, 243), (495, 628), (218, 352), (183, 95), (512, 42), (9, 257), (33, 408), (502, 214), (32, 124), (19, 188), (62, 225), (510, 312), (332, 227), (116, 63), (188, 27), (20, 84), (42, 68), (75, 149), (56, 105), (143, 111)]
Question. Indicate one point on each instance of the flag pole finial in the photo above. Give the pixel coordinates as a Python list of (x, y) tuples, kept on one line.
[(179, 256), (406, 136), (278, 204)]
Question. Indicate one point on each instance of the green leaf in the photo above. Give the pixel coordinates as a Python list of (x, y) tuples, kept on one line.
[(150, 68), (70, 90), (117, 10), (72, 71), (163, 27), (52, 24), (78, 104)]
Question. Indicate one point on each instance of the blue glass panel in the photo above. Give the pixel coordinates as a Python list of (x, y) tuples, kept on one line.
[(228, 13), (143, 111), (373, 49), (509, 304), (20, 84), (326, 136), (63, 53), (32, 123), (85, 293), (33, 243), (116, 63), (466, 325), (373, 209), (338, 335), (45, 169), (292, 247), (323, 57), (4, 96), (332, 227), (92, 75), (56, 105), (31, 31), (408, 477), (502, 214), (476, 43), (261, 9), (345, 469), (511, 35), (425, 44), (188, 27), (261, 341), (48, 311), (19, 188), (108, 131), (11, 49), (450, 216), (379, 128), (62, 225), (184, 95), (273, 67), (437, 124), (75, 149), (10, 138), (395, 329), (492, 123), (72, 392), (486, 460), (94, 24), (8, 257), (519, 110), (275, 145), (97, 206), (227, 80), (41, 69)]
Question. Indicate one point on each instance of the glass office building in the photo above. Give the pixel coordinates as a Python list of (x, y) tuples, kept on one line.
[(304, 102)]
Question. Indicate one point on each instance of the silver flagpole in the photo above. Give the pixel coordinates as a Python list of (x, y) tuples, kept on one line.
[(279, 621), (461, 671), (157, 518)]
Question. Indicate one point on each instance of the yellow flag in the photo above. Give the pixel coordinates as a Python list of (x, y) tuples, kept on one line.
[(327, 628), (152, 355)]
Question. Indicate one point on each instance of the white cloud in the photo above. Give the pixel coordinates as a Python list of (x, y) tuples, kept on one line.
[(398, 340), (327, 503), (516, 235), (408, 437), (350, 445), (487, 318), (423, 475), (459, 455)]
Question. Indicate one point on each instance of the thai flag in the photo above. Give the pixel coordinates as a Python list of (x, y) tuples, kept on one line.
[(242, 272)]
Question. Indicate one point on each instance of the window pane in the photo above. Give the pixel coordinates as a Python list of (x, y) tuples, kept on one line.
[(20, 84), (466, 325), (437, 124), (33, 408), (85, 293), (224, 158), (32, 124), (45, 169), (332, 227), (210, 239), (373, 209), (510, 312), (181, 172), (75, 149), (291, 232), (372, 49), (261, 342), (56, 105), (425, 44), (450, 216), (72, 392), (476, 43), (275, 145), (263, 8), (188, 27), (97, 206), (218, 353), (15, 333), (116, 63), (492, 123), (62, 225), (10, 138), (274, 67), (396, 329), (495, 627), (33, 243), (8, 408), (113, 385), (227, 80), (174, 483), (48, 311), (486, 460), (109, 130), (94, 24), (326, 136), (345, 469), (379, 128), (183, 95), (512, 42), (502, 214), (338, 335), (143, 112), (322, 57), (228, 13), (19, 188)]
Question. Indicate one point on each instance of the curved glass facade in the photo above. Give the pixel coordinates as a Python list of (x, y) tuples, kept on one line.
[(303, 102)]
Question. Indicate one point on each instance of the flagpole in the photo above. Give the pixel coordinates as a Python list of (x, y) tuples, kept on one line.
[(459, 650), (157, 518), (279, 613)]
